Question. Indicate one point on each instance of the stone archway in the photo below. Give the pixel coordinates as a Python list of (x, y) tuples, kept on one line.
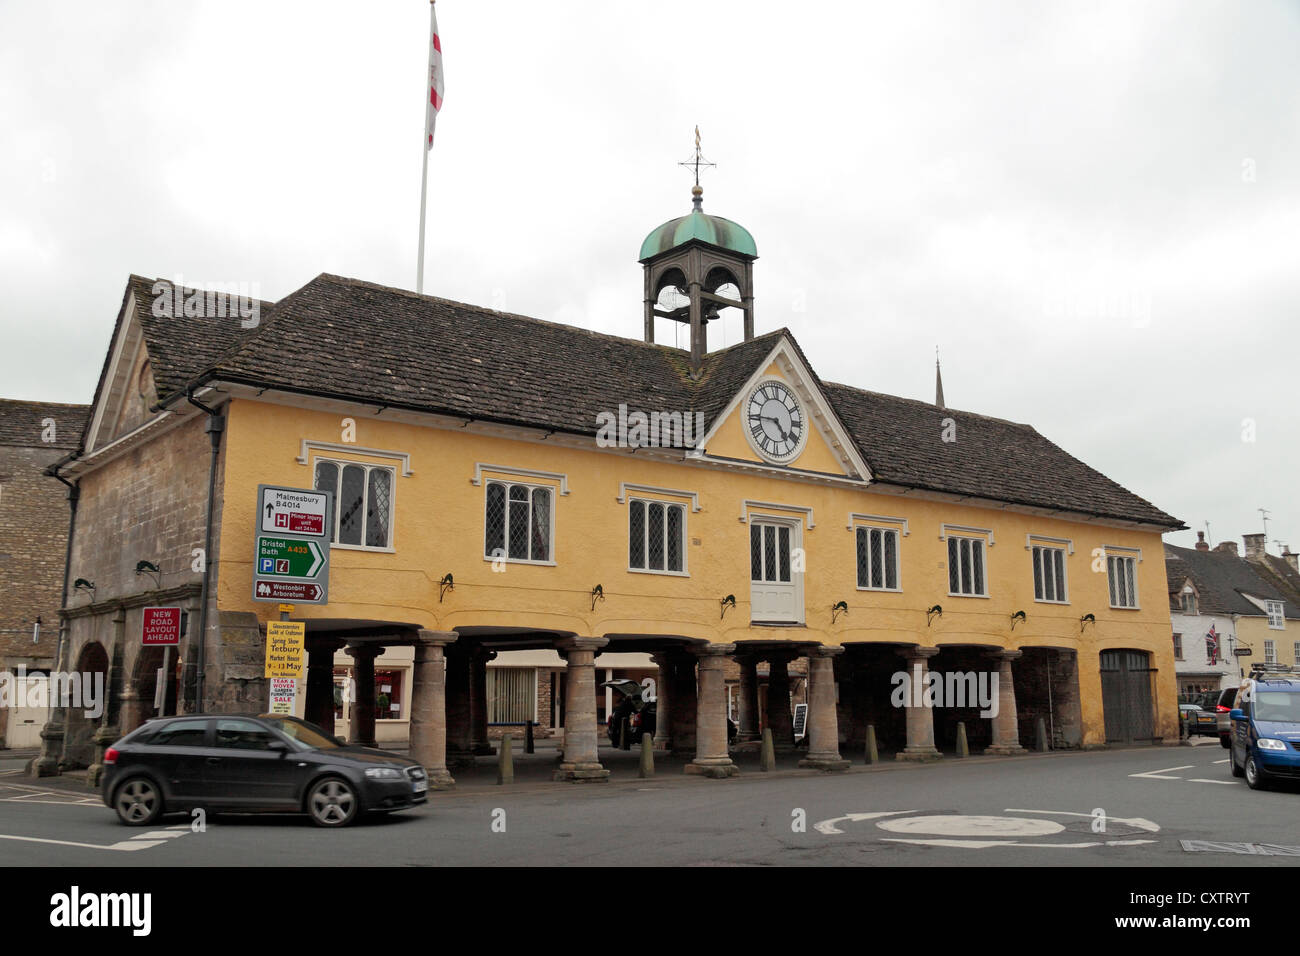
[(78, 744)]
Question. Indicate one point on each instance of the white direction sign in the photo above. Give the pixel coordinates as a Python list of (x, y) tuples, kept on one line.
[(291, 538)]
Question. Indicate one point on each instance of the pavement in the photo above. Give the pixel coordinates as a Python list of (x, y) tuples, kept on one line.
[(1166, 806)]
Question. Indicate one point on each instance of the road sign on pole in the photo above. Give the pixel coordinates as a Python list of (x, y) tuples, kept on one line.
[(162, 627), (291, 561)]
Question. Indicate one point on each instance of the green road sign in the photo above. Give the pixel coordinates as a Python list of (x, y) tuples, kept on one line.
[(289, 557)]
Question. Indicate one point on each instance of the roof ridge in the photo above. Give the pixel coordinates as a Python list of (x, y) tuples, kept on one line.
[(923, 402)]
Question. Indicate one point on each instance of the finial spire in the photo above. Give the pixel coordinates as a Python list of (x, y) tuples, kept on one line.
[(938, 381), (695, 162)]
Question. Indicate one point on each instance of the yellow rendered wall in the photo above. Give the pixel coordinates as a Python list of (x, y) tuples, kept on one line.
[(439, 528), (1252, 632)]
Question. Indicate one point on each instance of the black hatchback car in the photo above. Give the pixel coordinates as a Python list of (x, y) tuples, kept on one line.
[(248, 763)]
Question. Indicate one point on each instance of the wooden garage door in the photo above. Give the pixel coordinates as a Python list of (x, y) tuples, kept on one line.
[(1126, 696)]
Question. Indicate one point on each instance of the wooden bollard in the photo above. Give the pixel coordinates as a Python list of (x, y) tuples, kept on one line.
[(505, 761), (873, 754), (767, 759), (647, 756), (963, 748)]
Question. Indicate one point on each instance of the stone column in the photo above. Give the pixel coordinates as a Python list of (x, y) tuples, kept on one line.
[(110, 729), (429, 706), (823, 721), (318, 707), (711, 756), (779, 718), (581, 763), (460, 746), (920, 716), (1006, 727), (748, 729), (663, 713), (479, 743), (685, 703), (361, 728)]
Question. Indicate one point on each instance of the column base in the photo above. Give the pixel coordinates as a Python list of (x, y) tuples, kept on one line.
[(440, 779), (827, 762), (715, 768), (580, 773), (484, 750), (1005, 750), (919, 755)]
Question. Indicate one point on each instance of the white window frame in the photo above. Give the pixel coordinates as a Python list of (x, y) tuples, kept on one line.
[(1184, 599), (1270, 651), (1178, 646), (505, 529), (1275, 611), (645, 536), (369, 467), (1117, 561), (982, 543), (898, 558), (1036, 552)]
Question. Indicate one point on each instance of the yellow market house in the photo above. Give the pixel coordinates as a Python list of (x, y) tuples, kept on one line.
[(504, 484)]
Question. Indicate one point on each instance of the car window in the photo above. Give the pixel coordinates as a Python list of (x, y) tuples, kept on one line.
[(308, 735), (181, 733), (243, 735), (1277, 705)]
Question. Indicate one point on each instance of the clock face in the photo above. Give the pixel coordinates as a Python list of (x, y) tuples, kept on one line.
[(775, 422)]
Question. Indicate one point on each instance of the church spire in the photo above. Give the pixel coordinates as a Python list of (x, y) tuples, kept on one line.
[(938, 381)]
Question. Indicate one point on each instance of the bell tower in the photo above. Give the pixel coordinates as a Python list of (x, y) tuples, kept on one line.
[(695, 266)]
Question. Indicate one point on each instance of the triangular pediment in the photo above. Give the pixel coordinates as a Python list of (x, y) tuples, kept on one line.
[(780, 418), (126, 389)]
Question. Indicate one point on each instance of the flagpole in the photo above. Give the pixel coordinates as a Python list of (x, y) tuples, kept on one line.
[(425, 149)]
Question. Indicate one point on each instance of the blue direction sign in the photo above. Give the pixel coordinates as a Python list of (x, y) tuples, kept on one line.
[(292, 530)]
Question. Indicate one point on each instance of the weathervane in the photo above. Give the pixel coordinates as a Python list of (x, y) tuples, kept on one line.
[(696, 162)]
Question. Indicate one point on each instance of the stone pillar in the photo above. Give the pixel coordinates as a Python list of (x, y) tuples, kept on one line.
[(429, 706), (663, 712), (1006, 727), (460, 742), (748, 729), (361, 728), (779, 718), (581, 763), (684, 703), (711, 756), (318, 707), (110, 729), (823, 721), (133, 707), (920, 717), (479, 744)]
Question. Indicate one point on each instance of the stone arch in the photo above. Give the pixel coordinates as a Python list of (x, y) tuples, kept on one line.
[(92, 665)]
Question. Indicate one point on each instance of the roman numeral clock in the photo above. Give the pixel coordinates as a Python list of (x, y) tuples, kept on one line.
[(775, 423)]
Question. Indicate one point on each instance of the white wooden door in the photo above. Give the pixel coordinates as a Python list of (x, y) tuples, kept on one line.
[(776, 593), (25, 722)]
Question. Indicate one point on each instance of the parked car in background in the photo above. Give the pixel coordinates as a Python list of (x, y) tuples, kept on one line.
[(1198, 722), (249, 763), (1223, 704)]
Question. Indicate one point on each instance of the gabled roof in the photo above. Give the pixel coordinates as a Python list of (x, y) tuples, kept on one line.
[(22, 423), (358, 341), (1280, 574), (1221, 581)]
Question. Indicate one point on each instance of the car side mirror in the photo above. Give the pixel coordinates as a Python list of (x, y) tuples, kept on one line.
[(1237, 714), (340, 741), (278, 746)]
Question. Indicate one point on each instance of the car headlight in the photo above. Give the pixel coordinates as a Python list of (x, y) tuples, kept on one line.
[(1268, 743), (383, 773)]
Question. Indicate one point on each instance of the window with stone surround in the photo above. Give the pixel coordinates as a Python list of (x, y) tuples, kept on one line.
[(1049, 574), (363, 502), (877, 550), (518, 522), (656, 533), (1121, 574), (966, 567)]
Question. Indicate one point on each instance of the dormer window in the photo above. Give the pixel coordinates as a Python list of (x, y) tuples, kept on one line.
[(1188, 600), (1275, 618)]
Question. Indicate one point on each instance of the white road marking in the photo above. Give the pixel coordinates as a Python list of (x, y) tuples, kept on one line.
[(971, 826), (144, 841), (1159, 774), (1142, 823), (1226, 783), (985, 844), (828, 826), (1224, 760)]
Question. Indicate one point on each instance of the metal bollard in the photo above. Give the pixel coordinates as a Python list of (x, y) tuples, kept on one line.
[(647, 756), (767, 760), (528, 737), (873, 754), (505, 761), (963, 748)]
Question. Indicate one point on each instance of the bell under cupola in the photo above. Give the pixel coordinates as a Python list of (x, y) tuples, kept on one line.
[(695, 266)]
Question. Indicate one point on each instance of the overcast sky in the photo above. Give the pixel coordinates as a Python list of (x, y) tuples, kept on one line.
[(1093, 209)]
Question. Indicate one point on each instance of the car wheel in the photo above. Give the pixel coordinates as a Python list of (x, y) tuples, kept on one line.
[(138, 802), (1254, 776), (332, 802)]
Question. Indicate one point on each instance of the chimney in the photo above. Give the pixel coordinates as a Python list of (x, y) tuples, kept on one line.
[(1227, 547), (1291, 558), (1201, 544), (1254, 545)]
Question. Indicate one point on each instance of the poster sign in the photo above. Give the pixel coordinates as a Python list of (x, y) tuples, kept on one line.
[(283, 692), (800, 720), (162, 627), (285, 641)]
